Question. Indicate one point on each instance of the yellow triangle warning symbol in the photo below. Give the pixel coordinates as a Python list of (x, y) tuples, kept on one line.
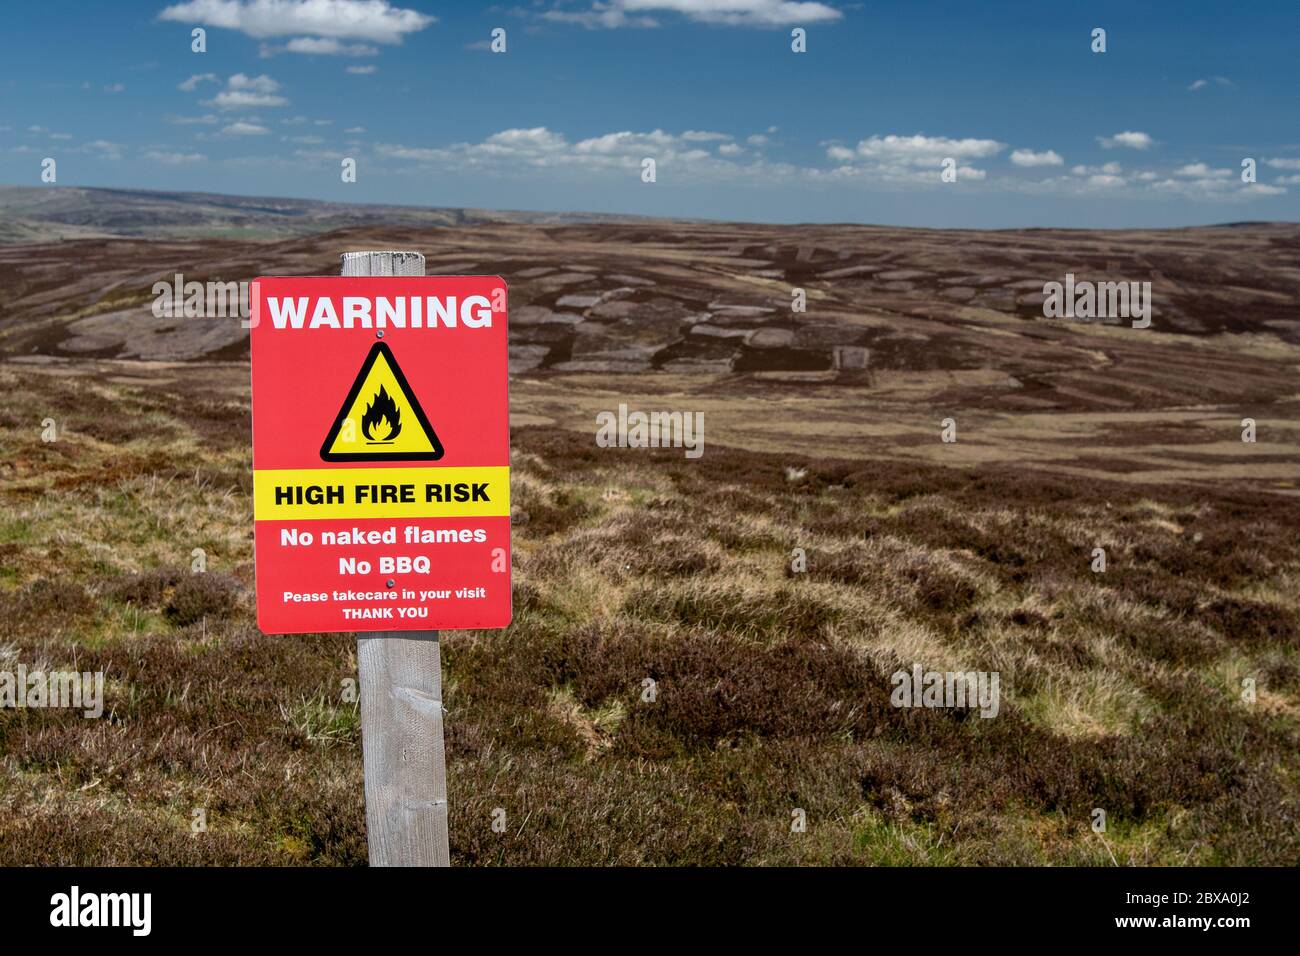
[(381, 419)]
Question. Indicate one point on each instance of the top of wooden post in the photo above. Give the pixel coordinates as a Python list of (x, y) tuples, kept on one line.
[(382, 264)]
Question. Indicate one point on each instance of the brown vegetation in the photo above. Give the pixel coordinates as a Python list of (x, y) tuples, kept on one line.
[(771, 688)]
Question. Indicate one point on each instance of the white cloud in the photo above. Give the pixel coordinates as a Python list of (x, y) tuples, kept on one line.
[(747, 13), (362, 70), (1214, 189), (880, 162), (1283, 163), (374, 20), (329, 47), (1128, 138), (1108, 169), (1201, 171), (239, 100), (607, 15), (619, 152), (417, 153), (105, 149), (190, 85), (205, 120), (320, 46), (115, 88), (248, 92), (317, 156), (258, 84), (1217, 80), (242, 128), (355, 129), (922, 150), (171, 158), (303, 121), (1027, 157), (907, 160), (687, 158)]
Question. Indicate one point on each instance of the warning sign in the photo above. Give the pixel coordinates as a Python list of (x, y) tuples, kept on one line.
[(381, 480), (380, 419)]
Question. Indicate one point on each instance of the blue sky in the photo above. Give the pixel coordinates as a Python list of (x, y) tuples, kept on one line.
[(1042, 130)]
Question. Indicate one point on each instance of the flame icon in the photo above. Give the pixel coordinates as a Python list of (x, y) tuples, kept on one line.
[(393, 426), (382, 422)]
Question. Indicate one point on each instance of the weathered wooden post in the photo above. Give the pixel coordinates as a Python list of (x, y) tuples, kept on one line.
[(371, 512), (400, 674)]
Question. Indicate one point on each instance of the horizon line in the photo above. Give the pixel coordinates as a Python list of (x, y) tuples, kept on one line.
[(611, 216)]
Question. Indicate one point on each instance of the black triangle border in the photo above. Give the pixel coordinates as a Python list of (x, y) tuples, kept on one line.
[(381, 348)]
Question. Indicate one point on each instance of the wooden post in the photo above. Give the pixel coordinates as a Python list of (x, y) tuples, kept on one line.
[(400, 675)]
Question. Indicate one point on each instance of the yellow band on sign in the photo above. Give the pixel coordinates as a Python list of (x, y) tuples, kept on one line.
[(354, 493)]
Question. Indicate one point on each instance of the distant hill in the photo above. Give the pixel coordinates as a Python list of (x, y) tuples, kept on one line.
[(38, 214)]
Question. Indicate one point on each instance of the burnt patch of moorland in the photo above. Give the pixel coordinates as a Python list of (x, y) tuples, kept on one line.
[(654, 298)]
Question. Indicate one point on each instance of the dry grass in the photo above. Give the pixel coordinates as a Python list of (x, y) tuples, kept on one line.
[(771, 688)]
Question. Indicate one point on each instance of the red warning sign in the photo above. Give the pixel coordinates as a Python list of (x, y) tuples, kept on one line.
[(381, 453)]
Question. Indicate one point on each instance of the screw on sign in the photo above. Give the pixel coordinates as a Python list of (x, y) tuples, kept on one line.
[(381, 496)]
